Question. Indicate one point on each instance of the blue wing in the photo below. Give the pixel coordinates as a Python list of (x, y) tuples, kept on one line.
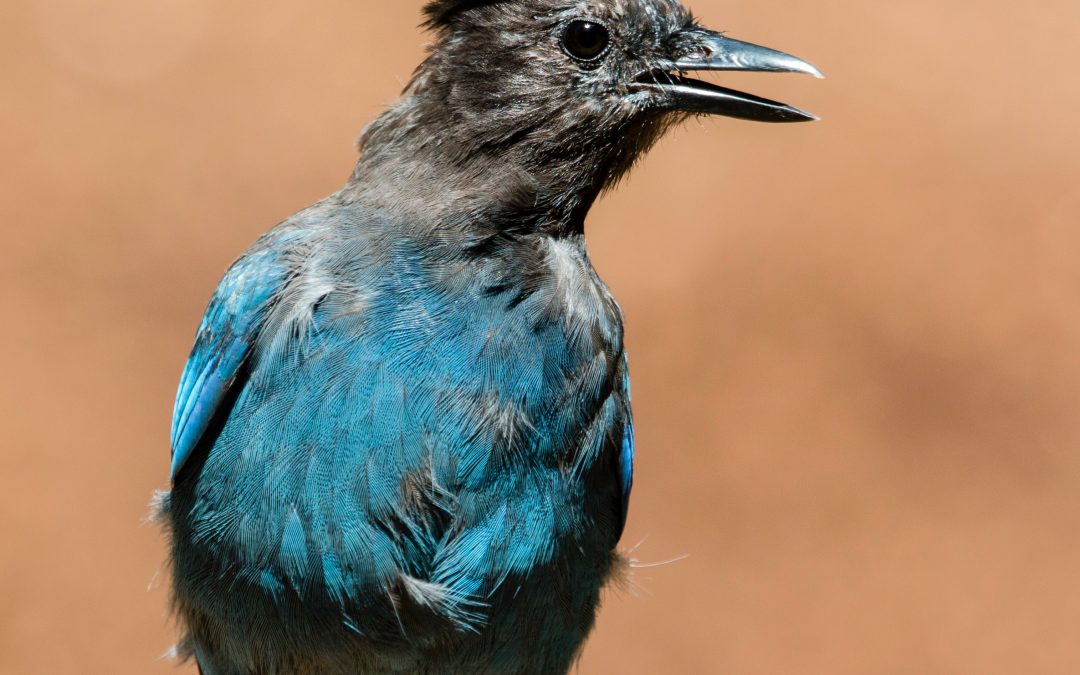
[(626, 456), (233, 320)]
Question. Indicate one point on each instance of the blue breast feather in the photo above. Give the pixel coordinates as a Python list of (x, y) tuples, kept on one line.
[(360, 420)]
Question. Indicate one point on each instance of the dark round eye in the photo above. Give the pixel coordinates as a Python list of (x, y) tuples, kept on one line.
[(585, 40)]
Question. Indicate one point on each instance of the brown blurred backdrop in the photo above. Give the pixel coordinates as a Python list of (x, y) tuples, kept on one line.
[(855, 344)]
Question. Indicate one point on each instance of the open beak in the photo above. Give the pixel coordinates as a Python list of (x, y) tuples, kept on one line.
[(700, 49)]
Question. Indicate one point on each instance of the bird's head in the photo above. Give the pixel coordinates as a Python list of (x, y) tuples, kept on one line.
[(572, 92)]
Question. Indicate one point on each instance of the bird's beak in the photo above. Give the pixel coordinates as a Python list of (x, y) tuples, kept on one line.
[(699, 49)]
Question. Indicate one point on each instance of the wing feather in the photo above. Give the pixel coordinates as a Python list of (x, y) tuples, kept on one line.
[(233, 320)]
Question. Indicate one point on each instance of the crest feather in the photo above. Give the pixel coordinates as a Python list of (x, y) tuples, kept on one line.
[(439, 13)]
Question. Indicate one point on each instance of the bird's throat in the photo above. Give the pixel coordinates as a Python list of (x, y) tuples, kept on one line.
[(441, 174)]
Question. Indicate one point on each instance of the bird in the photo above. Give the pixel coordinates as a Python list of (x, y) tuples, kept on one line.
[(403, 441)]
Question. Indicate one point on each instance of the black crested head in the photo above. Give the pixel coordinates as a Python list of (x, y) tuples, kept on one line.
[(559, 97)]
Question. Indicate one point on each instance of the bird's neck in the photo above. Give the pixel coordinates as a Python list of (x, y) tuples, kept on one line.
[(416, 160)]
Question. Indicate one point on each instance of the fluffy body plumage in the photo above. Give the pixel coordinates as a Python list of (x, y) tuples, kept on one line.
[(409, 451), (403, 441)]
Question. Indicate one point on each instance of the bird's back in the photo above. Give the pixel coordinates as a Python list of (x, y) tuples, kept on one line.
[(419, 465)]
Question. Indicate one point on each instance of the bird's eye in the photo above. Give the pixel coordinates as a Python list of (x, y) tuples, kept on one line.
[(585, 40)]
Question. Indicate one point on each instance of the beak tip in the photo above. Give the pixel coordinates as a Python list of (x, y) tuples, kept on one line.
[(793, 114), (800, 66)]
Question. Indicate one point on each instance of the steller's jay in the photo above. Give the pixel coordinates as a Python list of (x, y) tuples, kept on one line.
[(402, 442)]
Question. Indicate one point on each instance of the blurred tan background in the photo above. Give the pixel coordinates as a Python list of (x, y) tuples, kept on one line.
[(855, 344)]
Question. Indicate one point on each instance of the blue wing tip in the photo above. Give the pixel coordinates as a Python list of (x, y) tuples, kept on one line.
[(179, 456), (177, 462)]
